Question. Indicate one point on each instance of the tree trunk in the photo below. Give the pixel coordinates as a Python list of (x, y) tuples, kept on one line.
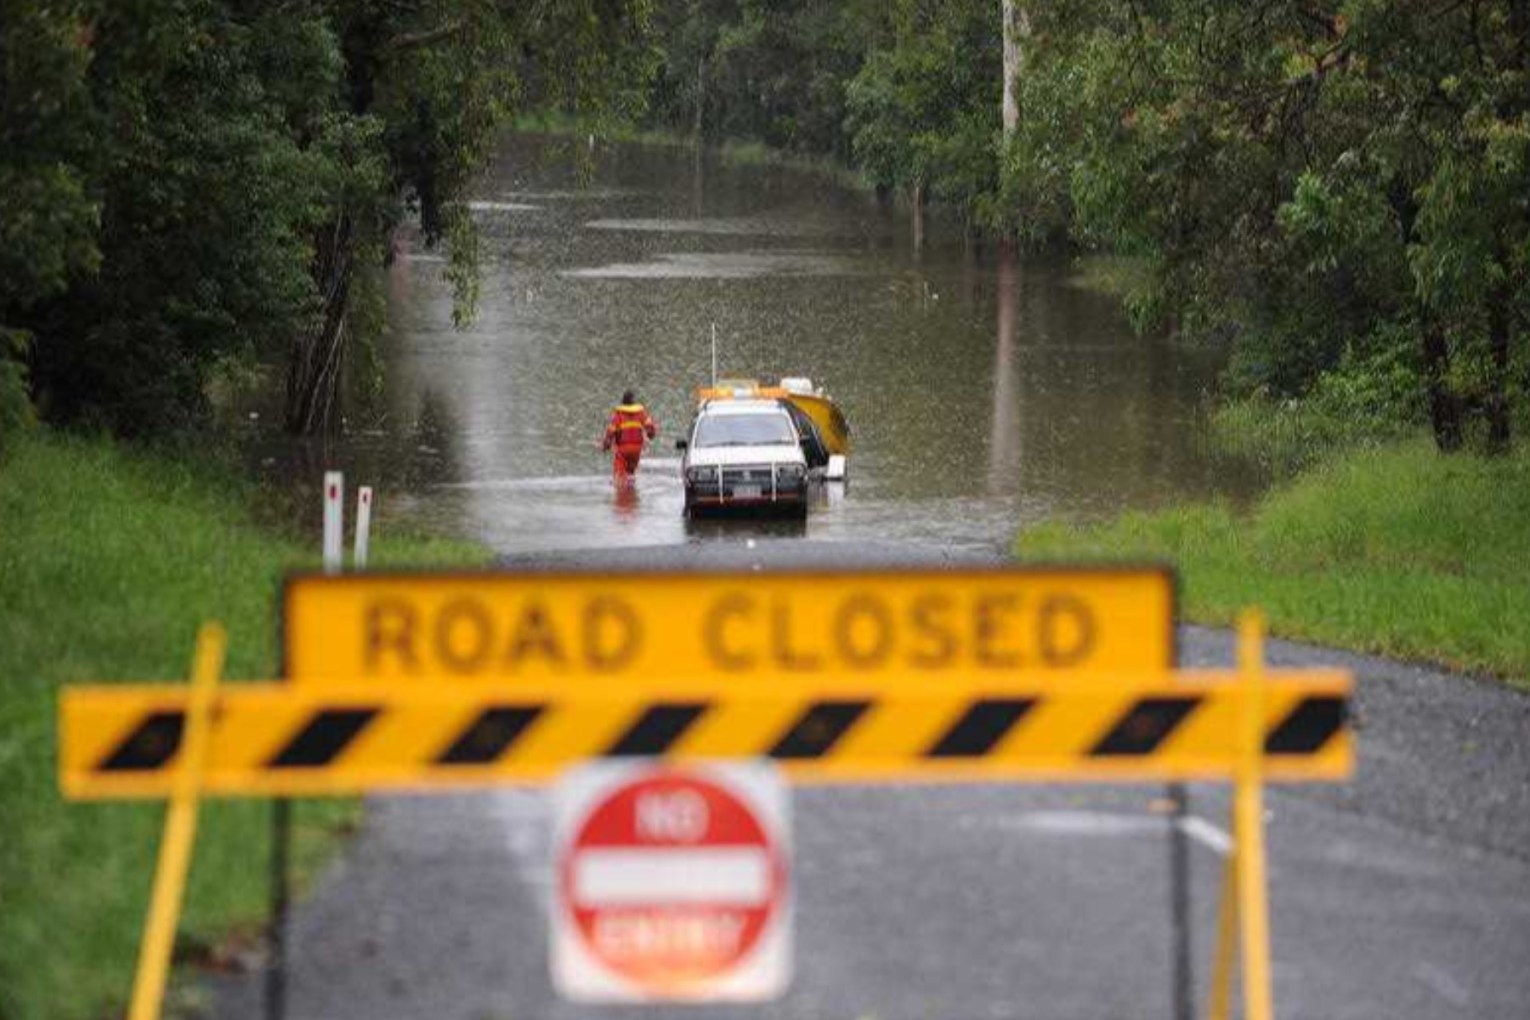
[(918, 202), (313, 373), (1017, 26), (697, 167), (701, 99), (1444, 406), (1500, 314), (1017, 30)]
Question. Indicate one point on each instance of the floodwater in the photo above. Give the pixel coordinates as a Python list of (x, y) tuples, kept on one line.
[(983, 393)]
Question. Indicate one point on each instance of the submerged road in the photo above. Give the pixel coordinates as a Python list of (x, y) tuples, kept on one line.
[(1404, 895)]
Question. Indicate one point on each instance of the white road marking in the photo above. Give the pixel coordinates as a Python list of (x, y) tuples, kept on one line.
[(1212, 837), (1082, 823), (1107, 823)]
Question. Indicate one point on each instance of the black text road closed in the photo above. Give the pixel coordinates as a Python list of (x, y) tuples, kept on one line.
[(634, 626)]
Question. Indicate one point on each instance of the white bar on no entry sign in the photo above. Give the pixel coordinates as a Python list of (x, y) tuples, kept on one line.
[(630, 877)]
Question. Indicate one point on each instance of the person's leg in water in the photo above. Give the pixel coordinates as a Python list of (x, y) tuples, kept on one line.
[(624, 465)]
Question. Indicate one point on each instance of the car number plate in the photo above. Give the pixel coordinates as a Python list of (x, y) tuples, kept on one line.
[(746, 492)]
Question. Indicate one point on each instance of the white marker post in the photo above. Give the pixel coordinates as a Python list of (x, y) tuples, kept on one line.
[(334, 522), (363, 526)]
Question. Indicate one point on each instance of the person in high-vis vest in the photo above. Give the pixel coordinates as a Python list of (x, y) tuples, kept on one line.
[(631, 426)]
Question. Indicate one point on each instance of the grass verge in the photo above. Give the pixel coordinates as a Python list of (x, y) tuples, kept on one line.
[(1394, 550), (109, 560), (1289, 437)]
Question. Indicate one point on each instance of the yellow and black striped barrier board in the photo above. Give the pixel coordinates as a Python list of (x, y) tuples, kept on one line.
[(637, 629), (274, 738)]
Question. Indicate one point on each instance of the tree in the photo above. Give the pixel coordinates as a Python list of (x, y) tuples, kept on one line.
[(1338, 189), (428, 85), (198, 180), (768, 70), (48, 224), (204, 200), (922, 109)]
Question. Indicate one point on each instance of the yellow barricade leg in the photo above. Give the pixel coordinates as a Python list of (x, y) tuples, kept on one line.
[(1219, 1005), (1248, 825), (180, 830)]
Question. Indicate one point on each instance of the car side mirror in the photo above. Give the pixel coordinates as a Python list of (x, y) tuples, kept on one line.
[(681, 444)]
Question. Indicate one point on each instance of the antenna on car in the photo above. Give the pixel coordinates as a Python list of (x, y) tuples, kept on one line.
[(714, 355)]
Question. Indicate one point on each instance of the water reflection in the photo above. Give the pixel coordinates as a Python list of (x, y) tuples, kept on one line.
[(1004, 468), (983, 391), (744, 527), (625, 500)]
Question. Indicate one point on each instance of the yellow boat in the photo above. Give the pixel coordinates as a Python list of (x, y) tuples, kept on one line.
[(829, 422)]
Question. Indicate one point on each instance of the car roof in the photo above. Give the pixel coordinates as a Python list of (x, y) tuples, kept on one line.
[(737, 406)]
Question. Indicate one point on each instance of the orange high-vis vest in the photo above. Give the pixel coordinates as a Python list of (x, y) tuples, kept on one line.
[(630, 425)]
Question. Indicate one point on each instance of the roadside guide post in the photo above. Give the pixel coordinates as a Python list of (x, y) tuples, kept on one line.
[(180, 833), (429, 682), (363, 526), (334, 522)]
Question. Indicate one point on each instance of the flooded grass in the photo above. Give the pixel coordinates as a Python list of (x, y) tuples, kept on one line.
[(1118, 276), (1398, 551), (731, 151), (110, 559)]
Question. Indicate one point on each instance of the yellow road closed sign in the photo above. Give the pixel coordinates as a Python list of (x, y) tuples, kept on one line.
[(639, 627)]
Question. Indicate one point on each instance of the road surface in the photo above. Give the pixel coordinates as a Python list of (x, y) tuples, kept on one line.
[(1404, 895)]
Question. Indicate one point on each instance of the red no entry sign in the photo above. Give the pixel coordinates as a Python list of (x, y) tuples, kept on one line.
[(672, 884)]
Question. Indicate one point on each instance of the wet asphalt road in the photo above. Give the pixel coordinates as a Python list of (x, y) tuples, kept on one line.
[(1404, 895)]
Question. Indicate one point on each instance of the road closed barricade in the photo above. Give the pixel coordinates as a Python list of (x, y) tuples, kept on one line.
[(437, 682), (270, 739)]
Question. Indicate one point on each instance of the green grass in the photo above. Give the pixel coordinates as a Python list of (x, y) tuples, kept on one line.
[(109, 560), (1395, 550), (1291, 436)]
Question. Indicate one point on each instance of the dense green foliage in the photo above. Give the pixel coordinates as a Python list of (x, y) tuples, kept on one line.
[(906, 90), (48, 223), (1394, 551), (1339, 189), (111, 560), (198, 180), (775, 72), (922, 112)]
